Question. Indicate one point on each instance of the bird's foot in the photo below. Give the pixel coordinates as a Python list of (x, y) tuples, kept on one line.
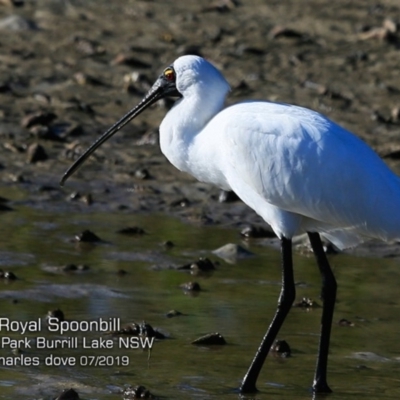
[(321, 386), (247, 388)]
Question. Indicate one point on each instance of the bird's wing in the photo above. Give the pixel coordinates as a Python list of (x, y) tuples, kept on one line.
[(300, 162)]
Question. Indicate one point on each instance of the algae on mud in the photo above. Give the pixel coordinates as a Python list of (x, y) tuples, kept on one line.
[(87, 63)]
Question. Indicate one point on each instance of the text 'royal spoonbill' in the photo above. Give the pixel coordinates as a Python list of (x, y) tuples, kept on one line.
[(297, 169)]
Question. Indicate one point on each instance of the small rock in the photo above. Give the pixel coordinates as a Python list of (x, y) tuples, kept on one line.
[(4, 207), (203, 264), (279, 31), (210, 339), (173, 313), (45, 133), (227, 196), (168, 244), (131, 231), (121, 272), (72, 130), (345, 322), (390, 25), (142, 173), (395, 114), (133, 62), (282, 348), (84, 79), (16, 23), (385, 32), (86, 46), (85, 198), (15, 3), (87, 236), (306, 302), (183, 202), (74, 268), (150, 138), (14, 148), (38, 118), (43, 98), (221, 6), (35, 153), (144, 329), (231, 252), (68, 394), (136, 392), (190, 287), (256, 232), (7, 275), (69, 268), (55, 314), (148, 331)]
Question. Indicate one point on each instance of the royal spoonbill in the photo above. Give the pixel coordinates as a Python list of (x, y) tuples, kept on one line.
[(297, 169)]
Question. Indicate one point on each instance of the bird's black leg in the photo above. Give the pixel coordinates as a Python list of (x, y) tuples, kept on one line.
[(328, 295), (285, 302)]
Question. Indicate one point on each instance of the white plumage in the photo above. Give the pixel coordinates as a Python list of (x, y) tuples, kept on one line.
[(297, 169)]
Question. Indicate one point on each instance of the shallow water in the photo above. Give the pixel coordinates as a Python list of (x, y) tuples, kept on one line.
[(237, 300)]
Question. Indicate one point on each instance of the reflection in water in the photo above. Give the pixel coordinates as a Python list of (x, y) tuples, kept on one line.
[(236, 300)]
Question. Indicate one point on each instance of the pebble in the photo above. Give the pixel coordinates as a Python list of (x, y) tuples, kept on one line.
[(211, 339), (15, 3), (256, 232), (227, 196), (232, 252), (173, 313), (132, 231), (136, 392), (16, 23), (4, 207), (38, 118), (168, 244), (306, 302), (87, 236), (282, 348), (142, 329), (68, 394), (190, 287), (10, 276), (279, 31), (36, 153), (345, 322), (130, 61), (202, 264), (44, 133), (55, 314)]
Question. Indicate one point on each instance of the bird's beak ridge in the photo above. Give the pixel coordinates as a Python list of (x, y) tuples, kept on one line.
[(160, 89)]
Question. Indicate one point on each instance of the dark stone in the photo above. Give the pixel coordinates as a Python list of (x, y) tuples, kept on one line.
[(210, 339)]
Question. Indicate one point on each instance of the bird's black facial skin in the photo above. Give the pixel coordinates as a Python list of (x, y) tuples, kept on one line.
[(164, 86), (169, 79)]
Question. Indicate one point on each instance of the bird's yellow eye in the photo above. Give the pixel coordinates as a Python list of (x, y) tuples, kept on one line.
[(169, 74)]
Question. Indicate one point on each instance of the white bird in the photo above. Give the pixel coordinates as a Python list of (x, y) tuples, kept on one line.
[(297, 169)]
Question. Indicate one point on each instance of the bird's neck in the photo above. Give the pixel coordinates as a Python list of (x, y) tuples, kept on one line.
[(187, 118)]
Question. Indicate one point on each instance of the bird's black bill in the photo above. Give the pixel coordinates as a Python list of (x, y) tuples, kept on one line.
[(159, 90)]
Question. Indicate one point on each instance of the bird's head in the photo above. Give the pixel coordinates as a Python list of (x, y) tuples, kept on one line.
[(187, 76)]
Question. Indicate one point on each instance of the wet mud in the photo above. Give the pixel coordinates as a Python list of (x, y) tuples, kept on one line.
[(69, 70)]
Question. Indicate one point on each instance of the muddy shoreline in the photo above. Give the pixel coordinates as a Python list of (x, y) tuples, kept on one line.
[(70, 69)]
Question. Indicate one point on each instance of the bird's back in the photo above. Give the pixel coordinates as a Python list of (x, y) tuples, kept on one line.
[(300, 162)]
